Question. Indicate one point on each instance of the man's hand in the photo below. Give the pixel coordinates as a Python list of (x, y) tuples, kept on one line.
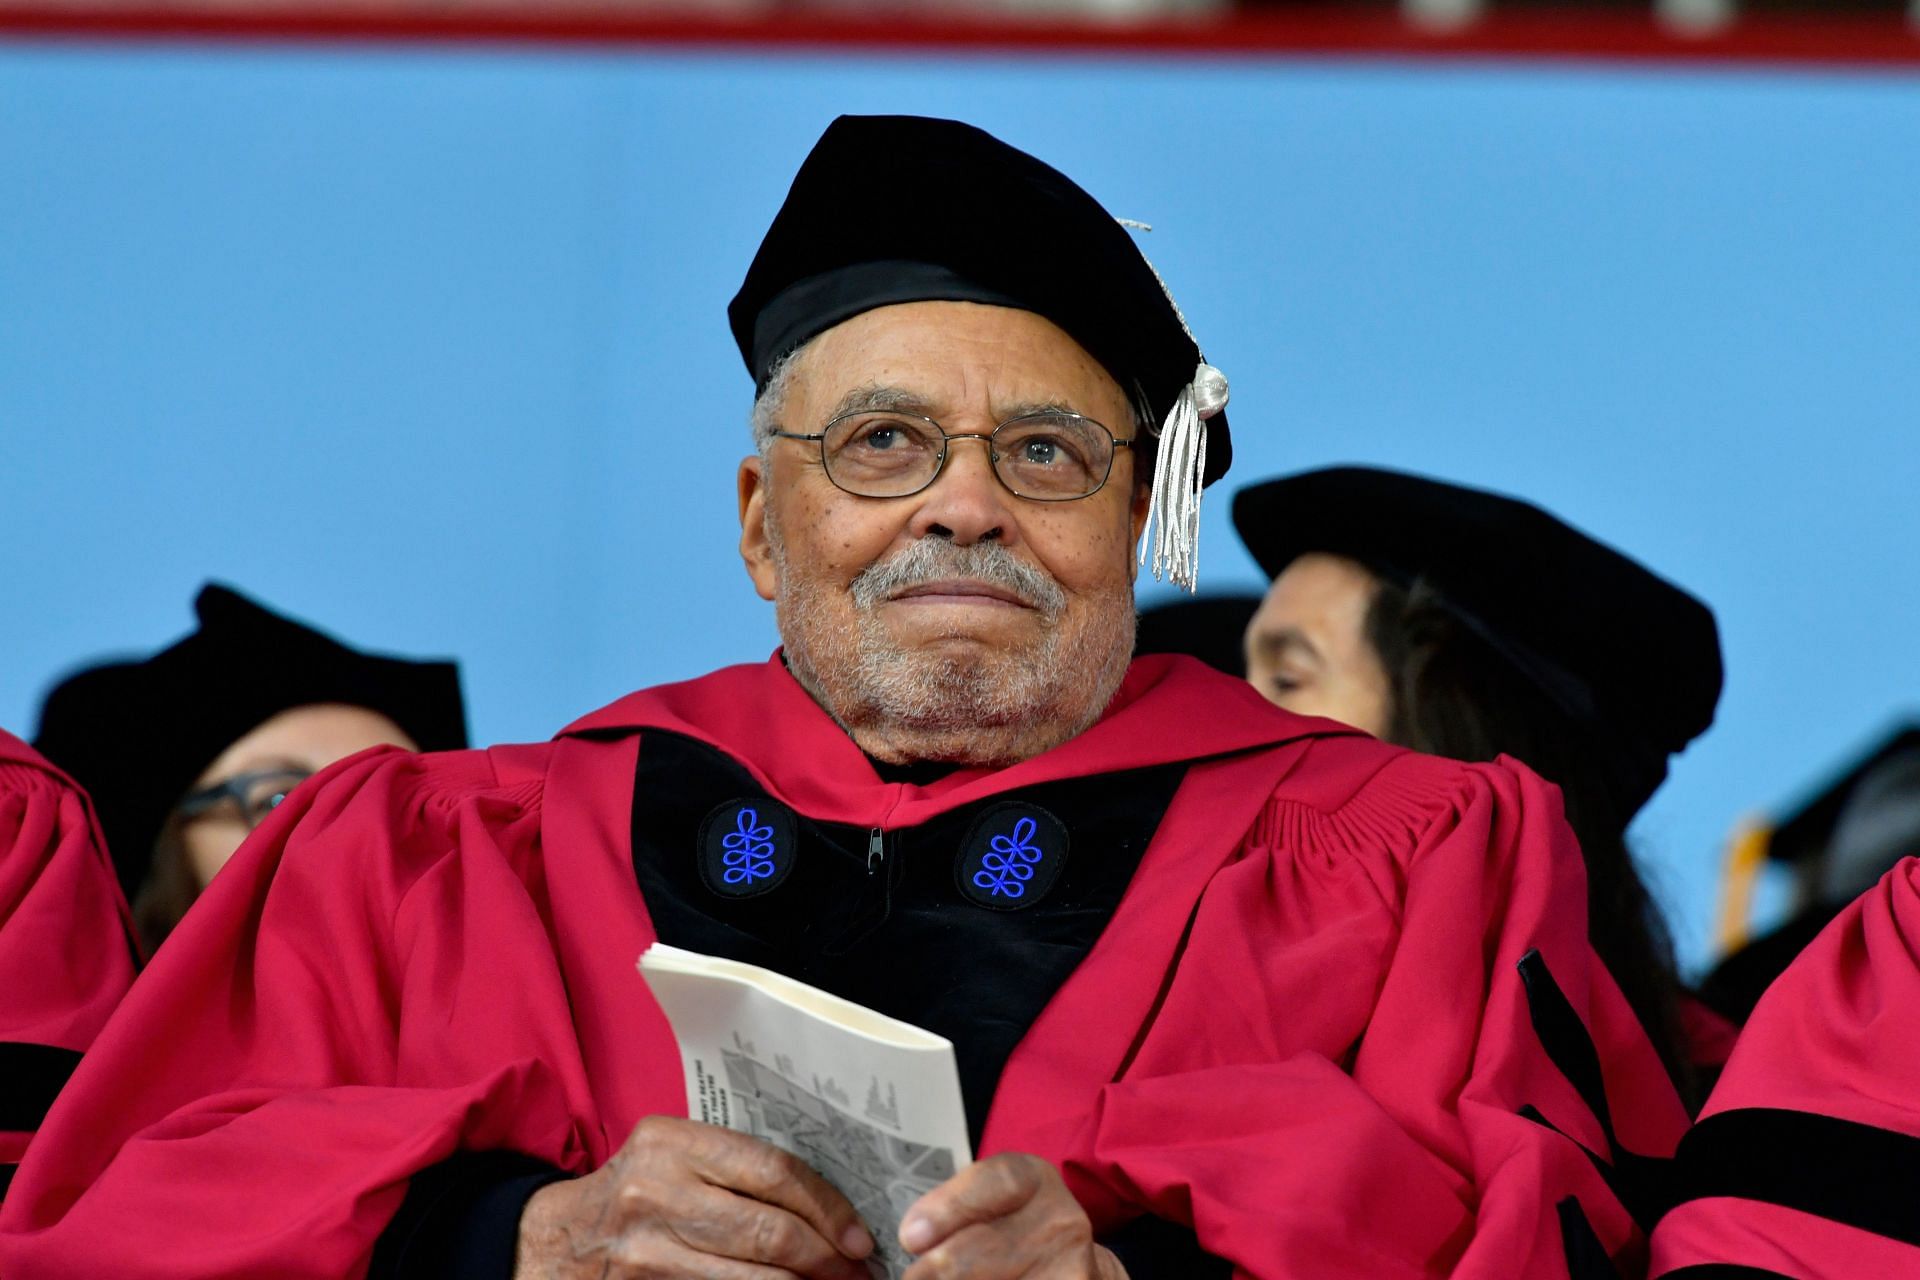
[(683, 1199), (1009, 1217)]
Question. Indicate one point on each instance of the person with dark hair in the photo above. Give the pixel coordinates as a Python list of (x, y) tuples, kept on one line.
[(187, 751), (1472, 625), (1230, 992), (67, 953)]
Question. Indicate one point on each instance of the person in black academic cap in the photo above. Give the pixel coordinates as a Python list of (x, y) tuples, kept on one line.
[(1806, 1159), (1229, 991), (1470, 624), (188, 750), (1838, 842)]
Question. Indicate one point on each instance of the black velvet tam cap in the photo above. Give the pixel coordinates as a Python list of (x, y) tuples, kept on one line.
[(893, 209), (1612, 643), (1210, 628), (136, 735), (1869, 810), (1846, 832)]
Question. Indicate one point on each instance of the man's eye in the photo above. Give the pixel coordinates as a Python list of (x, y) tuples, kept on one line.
[(881, 438), (1044, 452)]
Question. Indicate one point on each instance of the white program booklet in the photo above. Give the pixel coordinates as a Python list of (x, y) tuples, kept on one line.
[(871, 1102)]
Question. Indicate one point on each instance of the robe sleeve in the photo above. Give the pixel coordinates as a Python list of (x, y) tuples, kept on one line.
[(1345, 1078), (1806, 1160), (364, 990), (66, 953)]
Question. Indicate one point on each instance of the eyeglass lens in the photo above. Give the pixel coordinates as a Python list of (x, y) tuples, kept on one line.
[(255, 795), (1046, 456)]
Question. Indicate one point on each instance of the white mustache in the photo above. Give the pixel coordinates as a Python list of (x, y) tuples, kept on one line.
[(937, 560)]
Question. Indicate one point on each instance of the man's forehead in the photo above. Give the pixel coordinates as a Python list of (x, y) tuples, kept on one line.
[(927, 356), (926, 326), (874, 397)]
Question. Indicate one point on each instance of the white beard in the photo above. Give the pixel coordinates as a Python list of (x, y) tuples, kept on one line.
[(978, 706)]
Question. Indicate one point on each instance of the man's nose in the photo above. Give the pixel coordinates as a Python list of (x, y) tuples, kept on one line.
[(966, 502)]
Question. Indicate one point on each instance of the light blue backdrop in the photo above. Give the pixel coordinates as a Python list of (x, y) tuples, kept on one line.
[(428, 345)]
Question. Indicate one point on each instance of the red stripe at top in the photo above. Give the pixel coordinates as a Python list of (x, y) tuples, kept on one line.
[(1839, 40)]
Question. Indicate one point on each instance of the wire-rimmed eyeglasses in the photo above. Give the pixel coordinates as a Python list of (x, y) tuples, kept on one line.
[(1050, 456)]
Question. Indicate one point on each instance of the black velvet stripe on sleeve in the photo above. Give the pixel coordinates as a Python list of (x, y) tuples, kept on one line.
[(1586, 1257), (461, 1218), (1565, 1037), (1723, 1271), (31, 1076), (1841, 1170), (1644, 1184)]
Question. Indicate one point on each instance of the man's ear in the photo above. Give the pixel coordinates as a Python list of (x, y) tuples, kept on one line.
[(1142, 503), (755, 550)]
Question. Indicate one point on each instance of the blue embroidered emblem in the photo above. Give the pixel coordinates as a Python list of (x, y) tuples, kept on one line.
[(1011, 856), (1010, 865), (747, 847)]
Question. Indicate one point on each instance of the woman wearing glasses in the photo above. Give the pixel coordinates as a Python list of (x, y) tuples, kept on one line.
[(186, 752)]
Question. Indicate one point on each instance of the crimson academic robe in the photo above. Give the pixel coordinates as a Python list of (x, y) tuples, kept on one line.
[(1305, 1030), (66, 949), (1806, 1160)]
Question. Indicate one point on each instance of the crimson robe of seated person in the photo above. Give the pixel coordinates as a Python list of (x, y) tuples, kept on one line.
[(66, 946), (1806, 1159), (1303, 1032)]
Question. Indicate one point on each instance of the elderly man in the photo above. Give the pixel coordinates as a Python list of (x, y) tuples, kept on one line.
[(1267, 1005)]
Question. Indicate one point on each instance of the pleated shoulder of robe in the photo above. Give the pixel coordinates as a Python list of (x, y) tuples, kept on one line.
[(1343, 1019), (66, 946), (1806, 1159)]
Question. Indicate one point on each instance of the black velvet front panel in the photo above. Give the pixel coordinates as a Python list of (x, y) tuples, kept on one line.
[(904, 921)]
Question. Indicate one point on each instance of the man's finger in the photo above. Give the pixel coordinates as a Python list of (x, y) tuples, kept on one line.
[(765, 1172), (974, 1252), (715, 1221), (982, 1192)]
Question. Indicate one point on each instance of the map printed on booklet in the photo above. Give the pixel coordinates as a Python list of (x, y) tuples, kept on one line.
[(871, 1102)]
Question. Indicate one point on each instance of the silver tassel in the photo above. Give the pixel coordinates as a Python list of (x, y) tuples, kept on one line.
[(1180, 469), (1179, 475)]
